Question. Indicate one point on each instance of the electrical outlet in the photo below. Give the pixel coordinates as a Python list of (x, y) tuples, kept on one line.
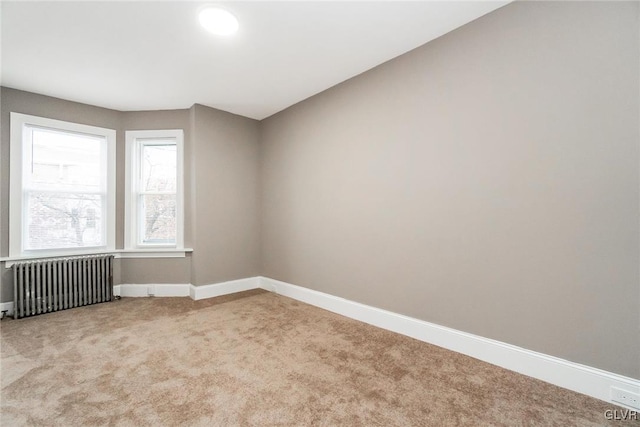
[(625, 397)]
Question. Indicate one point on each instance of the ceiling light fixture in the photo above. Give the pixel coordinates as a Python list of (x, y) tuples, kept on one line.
[(218, 21)]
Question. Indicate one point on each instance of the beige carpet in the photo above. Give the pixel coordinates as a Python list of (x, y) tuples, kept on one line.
[(255, 358)]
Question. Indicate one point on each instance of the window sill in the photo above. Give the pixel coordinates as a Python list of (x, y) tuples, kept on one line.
[(118, 253), (153, 253)]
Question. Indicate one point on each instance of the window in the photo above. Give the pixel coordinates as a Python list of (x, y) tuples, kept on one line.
[(62, 187), (154, 204)]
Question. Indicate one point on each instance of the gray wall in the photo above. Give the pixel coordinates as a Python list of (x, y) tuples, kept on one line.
[(157, 270), (222, 206), (225, 207), (487, 181), (16, 101), (29, 103)]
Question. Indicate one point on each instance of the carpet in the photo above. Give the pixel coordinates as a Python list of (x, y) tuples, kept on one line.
[(255, 359)]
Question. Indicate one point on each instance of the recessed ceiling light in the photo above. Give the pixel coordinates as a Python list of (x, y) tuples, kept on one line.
[(218, 21)]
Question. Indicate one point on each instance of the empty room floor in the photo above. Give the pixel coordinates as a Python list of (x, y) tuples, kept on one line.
[(256, 358)]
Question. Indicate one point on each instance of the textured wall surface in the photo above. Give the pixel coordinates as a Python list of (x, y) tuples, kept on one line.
[(158, 270), (224, 200), (17, 101), (486, 181), (226, 203)]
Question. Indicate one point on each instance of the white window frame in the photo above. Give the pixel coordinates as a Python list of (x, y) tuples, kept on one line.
[(134, 141), (19, 123)]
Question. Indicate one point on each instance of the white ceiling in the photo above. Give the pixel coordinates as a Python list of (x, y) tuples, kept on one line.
[(153, 55)]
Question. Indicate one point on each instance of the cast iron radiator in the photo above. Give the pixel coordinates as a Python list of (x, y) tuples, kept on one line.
[(46, 285)]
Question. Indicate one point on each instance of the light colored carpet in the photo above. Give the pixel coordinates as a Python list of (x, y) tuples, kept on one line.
[(255, 358)]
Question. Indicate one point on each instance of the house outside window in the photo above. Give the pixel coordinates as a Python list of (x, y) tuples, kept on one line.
[(154, 182), (62, 189)]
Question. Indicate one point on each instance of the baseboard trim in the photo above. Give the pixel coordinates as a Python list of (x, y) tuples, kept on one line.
[(563, 373), (186, 289), (224, 288), (152, 290), (7, 306)]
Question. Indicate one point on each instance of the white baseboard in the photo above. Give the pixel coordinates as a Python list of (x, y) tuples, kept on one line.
[(573, 376), (224, 288), (150, 290), (187, 290), (7, 306)]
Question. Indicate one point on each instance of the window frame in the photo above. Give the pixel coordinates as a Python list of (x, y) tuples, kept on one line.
[(135, 139), (18, 140)]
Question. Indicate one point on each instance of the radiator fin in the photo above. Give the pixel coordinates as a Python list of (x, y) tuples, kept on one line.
[(43, 286)]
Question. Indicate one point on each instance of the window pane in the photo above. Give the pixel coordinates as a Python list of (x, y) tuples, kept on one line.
[(63, 220), (158, 168), (158, 218), (63, 160)]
